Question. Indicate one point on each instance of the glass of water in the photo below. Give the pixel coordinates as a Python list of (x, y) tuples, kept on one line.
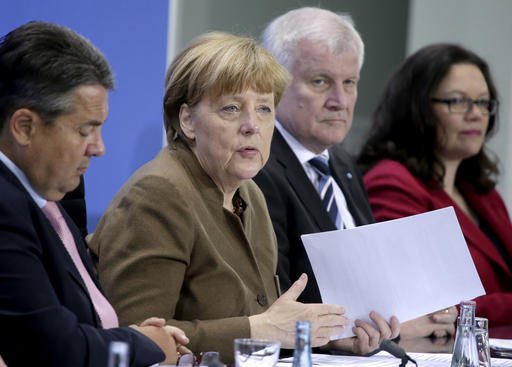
[(256, 352), (482, 341)]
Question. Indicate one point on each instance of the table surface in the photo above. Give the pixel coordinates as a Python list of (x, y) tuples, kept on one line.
[(445, 345)]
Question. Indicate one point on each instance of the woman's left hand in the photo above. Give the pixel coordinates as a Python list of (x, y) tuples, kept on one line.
[(438, 324)]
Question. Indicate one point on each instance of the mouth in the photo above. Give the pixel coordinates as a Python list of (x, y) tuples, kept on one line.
[(472, 132), (82, 170), (248, 151), (333, 120)]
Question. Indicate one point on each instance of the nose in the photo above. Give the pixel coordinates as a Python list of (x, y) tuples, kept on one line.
[(337, 98), (97, 147), (250, 124), (474, 112)]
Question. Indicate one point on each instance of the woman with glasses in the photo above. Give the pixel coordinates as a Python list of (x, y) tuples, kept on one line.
[(426, 151)]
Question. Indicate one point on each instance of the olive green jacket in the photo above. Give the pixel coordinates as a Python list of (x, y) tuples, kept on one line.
[(166, 247)]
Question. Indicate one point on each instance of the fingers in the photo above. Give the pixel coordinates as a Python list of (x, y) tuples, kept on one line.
[(395, 327), (153, 321), (444, 330), (383, 328), (296, 289), (448, 315), (183, 350), (369, 337), (177, 334), (325, 327)]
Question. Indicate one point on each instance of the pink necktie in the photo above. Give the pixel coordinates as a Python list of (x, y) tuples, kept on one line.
[(104, 309)]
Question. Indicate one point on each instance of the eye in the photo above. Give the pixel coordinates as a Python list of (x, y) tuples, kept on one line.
[(264, 109), (231, 108), (350, 82), (319, 82), (456, 101), (85, 131), (482, 103)]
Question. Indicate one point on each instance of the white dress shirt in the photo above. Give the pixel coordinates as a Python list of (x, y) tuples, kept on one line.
[(304, 155)]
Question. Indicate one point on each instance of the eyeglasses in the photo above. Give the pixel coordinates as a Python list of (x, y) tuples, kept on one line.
[(464, 105), (204, 359)]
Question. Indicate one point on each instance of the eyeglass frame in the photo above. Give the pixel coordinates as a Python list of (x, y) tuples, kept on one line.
[(489, 110)]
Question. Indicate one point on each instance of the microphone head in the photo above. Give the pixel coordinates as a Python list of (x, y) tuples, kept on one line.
[(392, 348)]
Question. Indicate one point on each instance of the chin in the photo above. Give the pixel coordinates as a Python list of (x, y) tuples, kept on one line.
[(247, 175)]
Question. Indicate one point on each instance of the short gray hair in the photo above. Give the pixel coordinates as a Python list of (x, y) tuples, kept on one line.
[(336, 31)]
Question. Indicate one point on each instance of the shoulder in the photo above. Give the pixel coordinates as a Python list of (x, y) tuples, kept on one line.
[(339, 152), (389, 170), (15, 200), (158, 181), (389, 175)]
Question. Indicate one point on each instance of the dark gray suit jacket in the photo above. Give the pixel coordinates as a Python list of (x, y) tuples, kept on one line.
[(46, 315), (296, 209)]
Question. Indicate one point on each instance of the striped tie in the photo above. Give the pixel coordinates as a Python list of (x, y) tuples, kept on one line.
[(325, 188)]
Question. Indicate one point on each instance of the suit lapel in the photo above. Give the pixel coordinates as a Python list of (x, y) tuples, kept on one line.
[(347, 181), (300, 182), (499, 225)]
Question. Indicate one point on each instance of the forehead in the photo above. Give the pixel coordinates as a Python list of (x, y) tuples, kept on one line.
[(466, 78), (249, 93), (315, 58)]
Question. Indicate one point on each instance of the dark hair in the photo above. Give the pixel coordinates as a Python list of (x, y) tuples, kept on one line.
[(404, 126), (41, 64)]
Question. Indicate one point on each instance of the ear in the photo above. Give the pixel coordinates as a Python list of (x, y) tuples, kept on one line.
[(23, 124), (186, 123)]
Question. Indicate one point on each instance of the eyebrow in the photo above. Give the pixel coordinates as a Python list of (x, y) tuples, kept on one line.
[(239, 97), (93, 123), (487, 93)]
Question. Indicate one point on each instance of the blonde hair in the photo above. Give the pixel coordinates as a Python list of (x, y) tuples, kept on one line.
[(215, 64)]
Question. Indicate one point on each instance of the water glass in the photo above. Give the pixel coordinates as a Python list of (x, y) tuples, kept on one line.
[(482, 341), (256, 352)]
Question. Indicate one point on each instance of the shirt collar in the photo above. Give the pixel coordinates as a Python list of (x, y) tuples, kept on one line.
[(40, 201), (302, 153)]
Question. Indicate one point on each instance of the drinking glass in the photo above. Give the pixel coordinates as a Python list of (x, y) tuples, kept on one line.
[(256, 352), (482, 341)]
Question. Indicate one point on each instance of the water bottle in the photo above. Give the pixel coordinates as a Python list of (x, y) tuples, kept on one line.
[(118, 354), (302, 352), (464, 350)]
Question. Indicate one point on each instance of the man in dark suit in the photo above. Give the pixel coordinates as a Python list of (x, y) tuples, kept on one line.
[(324, 53), (296, 207), (53, 102)]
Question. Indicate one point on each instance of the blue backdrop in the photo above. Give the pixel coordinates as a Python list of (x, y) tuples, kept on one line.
[(133, 36)]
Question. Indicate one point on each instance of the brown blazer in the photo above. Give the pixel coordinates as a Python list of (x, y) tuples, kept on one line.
[(166, 247)]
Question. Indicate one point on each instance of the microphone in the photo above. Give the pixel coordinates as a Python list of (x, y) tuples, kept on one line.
[(396, 351)]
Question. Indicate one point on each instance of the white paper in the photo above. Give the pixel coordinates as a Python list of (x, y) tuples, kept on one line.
[(383, 359), (406, 267)]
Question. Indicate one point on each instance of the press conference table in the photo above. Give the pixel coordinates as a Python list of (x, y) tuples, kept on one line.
[(445, 345)]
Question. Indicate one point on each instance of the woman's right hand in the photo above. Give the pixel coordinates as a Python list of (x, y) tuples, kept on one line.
[(278, 322)]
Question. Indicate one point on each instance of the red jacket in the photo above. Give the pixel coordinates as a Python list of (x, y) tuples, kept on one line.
[(394, 192)]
